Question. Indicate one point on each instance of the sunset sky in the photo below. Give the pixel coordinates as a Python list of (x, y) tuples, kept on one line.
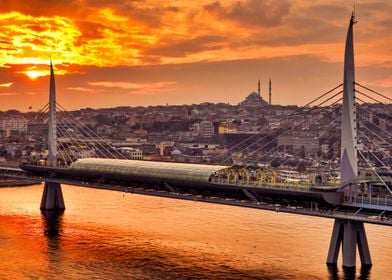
[(149, 52)]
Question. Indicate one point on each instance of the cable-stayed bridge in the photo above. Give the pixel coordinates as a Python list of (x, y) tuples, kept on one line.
[(351, 190)]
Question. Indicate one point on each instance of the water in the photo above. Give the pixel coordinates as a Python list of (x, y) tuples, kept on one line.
[(113, 235)]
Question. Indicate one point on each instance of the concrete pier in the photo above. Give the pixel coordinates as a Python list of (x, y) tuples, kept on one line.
[(348, 235), (52, 197)]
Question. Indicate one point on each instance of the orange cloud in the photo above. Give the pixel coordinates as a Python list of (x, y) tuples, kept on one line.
[(382, 83), (36, 71), (137, 88), (6, 85), (100, 47), (82, 89), (251, 12), (110, 33), (32, 40)]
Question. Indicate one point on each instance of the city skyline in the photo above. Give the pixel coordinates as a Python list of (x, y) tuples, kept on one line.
[(95, 185), (111, 53)]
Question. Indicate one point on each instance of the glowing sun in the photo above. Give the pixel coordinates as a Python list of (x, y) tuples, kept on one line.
[(34, 74)]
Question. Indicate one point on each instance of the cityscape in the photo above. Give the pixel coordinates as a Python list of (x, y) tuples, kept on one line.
[(232, 139), (202, 133)]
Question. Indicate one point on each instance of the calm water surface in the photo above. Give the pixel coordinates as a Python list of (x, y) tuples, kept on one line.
[(113, 235)]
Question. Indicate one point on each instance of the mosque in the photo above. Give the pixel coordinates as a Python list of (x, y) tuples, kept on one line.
[(254, 99)]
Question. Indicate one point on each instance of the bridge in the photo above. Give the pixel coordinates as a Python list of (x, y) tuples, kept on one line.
[(351, 200)]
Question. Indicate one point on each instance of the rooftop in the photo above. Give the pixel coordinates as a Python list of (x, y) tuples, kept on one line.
[(151, 169)]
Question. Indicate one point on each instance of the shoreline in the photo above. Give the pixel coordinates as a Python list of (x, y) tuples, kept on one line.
[(6, 183)]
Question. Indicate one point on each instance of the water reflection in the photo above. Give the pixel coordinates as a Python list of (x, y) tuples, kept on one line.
[(349, 273), (52, 222), (365, 272), (107, 235)]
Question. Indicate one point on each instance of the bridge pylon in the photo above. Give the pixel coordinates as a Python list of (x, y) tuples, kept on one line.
[(52, 197), (347, 233)]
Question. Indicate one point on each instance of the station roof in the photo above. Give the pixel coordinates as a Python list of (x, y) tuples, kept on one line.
[(152, 169)]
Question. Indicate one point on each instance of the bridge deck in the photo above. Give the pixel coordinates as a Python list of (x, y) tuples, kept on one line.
[(348, 212)]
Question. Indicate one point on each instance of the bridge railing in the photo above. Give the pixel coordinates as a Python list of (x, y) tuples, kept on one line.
[(366, 179), (357, 198), (271, 181)]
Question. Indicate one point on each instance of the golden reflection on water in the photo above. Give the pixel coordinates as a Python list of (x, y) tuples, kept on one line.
[(113, 235)]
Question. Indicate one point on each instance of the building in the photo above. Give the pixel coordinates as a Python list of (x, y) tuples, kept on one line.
[(104, 129), (227, 128), (157, 137), (132, 153), (12, 126), (165, 148), (205, 129), (325, 148), (300, 140), (254, 99)]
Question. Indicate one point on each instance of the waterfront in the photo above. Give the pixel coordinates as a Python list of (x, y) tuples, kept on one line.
[(114, 235)]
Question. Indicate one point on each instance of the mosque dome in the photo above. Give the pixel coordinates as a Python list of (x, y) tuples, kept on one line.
[(176, 152)]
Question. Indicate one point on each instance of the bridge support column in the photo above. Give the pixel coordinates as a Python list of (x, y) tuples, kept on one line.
[(349, 234), (52, 197)]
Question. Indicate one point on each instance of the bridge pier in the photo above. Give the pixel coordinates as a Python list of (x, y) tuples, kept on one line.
[(349, 234), (52, 197)]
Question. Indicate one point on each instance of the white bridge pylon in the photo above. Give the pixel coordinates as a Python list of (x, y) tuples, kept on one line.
[(349, 234), (348, 156), (52, 197)]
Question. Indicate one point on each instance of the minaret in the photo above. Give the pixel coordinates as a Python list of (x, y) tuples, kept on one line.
[(270, 91), (258, 89)]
